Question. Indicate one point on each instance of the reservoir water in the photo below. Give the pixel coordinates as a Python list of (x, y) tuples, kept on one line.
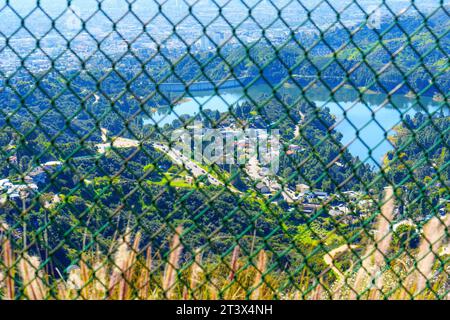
[(364, 122)]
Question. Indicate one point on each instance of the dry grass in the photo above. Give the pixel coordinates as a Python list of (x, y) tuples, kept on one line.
[(196, 271), (170, 273), (260, 271), (8, 275), (133, 273), (234, 265), (433, 235), (32, 278), (373, 261)]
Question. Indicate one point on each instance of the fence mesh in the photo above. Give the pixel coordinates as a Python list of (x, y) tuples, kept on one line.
[(224, 149)]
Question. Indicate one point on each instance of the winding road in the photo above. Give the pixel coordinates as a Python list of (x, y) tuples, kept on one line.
[(178, 158)]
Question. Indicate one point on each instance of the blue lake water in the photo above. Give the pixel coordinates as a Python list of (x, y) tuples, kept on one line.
[(364, 123)]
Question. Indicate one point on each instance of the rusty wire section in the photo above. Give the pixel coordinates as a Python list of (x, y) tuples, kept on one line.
[(110, 109)]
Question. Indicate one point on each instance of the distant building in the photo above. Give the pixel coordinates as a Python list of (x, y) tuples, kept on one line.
[(344, 209), (337, 163), (309, 208), (189, 179), (302, 188), (334, 213), (294, 147), (13, 160), (13, 196), (38, 175), (204, 43), (51, 164), (218, 38), (352, 195), (28, 179), (3, 182), (320, 195), (264, 171), (262, 188)]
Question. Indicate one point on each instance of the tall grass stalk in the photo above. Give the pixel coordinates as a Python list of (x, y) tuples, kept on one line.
[(8, 276), (171, 269), (373, 260), (32, 278), (433, 234), (234, 264), (196, 271), (260, 271), (144, 278)]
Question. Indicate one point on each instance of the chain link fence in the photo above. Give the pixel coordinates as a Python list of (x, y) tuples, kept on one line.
[(224, 149)]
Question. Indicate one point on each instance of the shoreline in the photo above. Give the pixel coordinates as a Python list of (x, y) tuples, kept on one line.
[(206, 86)]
